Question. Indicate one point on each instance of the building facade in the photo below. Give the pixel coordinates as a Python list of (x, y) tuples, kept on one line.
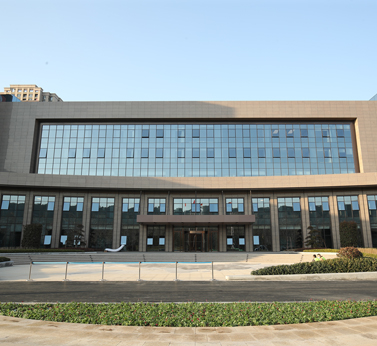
[(188, 176), (30, 93)]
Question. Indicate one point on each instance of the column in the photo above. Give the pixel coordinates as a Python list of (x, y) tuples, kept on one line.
[(274, 223), (333, 204)]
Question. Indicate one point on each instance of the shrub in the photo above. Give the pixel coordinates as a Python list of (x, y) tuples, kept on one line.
[(314, 238), (32, 236), (337, 265), (349, 234), (349, 252), (4, 259)]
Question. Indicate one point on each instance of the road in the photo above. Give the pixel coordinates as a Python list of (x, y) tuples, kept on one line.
[(183, 291)]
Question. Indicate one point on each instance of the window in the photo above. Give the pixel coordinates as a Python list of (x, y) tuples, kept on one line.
[(312, 206), (296, 206), (276, 152), (195, 152), (371, 204), (289, 133), (327, 152), (232, 152), (291, 152), (101, 152), (342, 153), (5, 205), (159, 152), (304, 133), (86, 153), (181, 153), (355, 205), (144, 153), (261, 153), (72, 153), (43, 153), (229, 207), (325, 206), (195, 133), (275, 133), (210, 152), (160, 133), (213, 207), (195, 207), (79, 206), (340, 133), (130, 152), (246, 152), (125, 207), (305, 152), (50, 99), (66, 206), (181, 133), (341, 205), (255, 207), (145, 133), (325, 133), (50, 205)]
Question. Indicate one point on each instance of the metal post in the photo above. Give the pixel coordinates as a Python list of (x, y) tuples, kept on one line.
[(213, 279), (103, 271), (66, 272), (31, 265), (139, 271), (176, 271)]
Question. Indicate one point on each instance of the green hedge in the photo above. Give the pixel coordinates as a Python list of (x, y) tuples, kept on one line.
[(337, 265), (4, 259), (192, 314)]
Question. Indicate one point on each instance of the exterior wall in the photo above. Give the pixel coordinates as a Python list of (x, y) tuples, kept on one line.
[(19, 144)]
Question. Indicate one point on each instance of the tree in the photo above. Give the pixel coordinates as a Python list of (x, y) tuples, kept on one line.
[(314, 238), (32, 236), (299, 239), (348, 233)]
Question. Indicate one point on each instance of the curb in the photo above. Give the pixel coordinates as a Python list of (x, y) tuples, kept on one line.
[(6, 264), (306, 277)]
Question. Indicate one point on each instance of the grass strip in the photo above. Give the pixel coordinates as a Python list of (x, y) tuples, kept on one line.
[(192, 314)]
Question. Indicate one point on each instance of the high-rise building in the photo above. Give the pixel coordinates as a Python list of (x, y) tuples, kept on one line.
[(189, 176), (30, 93)]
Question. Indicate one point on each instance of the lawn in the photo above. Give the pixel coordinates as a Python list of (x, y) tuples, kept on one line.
[(192, 314)]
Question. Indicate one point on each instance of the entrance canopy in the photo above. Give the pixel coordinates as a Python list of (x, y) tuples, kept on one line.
[(196, 220)]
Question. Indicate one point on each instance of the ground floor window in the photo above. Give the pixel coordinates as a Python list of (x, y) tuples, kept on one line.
[(195, 239), (129, 237), (156, 238), (235, 238)]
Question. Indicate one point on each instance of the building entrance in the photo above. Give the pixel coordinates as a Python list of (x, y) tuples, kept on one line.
[(196, 239)]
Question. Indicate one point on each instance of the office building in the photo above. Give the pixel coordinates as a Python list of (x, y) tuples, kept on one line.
[(188, 176)]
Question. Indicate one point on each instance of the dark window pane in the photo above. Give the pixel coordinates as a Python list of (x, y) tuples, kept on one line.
[(195, 152), (246, 152), (305, 152), (355, 205), (311, 206), (43, 153), (232, 152), (159, 152), (101, 152), (210, 153), (276, 152), (340, 133), (86, 153), (160, 133), (130, 153), (145, 133), (195, 133), (144, 153), (72, 153), (296, 206), (304, 133), (342, 152), (291, 152), (261, 152), (325, 206)]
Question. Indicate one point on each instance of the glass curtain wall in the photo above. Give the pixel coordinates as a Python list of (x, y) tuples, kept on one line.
[(11, 218), (199, 150), (43, 213), (101, 223), (262, 237), (373, 218), (71, 218), (196, 238), (129, 234), (290, 225), (349, 210), (319, 214)]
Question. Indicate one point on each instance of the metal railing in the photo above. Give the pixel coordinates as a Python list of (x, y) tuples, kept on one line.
[(103, 267)]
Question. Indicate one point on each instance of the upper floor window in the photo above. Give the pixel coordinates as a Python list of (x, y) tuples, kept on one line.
[(156, 206), (234, 206)]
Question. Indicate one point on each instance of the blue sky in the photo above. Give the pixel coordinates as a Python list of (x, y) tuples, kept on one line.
[(172, 50)]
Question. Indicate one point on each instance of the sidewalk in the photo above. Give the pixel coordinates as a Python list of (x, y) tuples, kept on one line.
[(16, 331)]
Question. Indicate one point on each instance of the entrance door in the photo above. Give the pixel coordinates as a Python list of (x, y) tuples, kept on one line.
[(196, 241)]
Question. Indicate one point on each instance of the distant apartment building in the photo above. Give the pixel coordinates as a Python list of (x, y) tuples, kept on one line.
[(30, 93)]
